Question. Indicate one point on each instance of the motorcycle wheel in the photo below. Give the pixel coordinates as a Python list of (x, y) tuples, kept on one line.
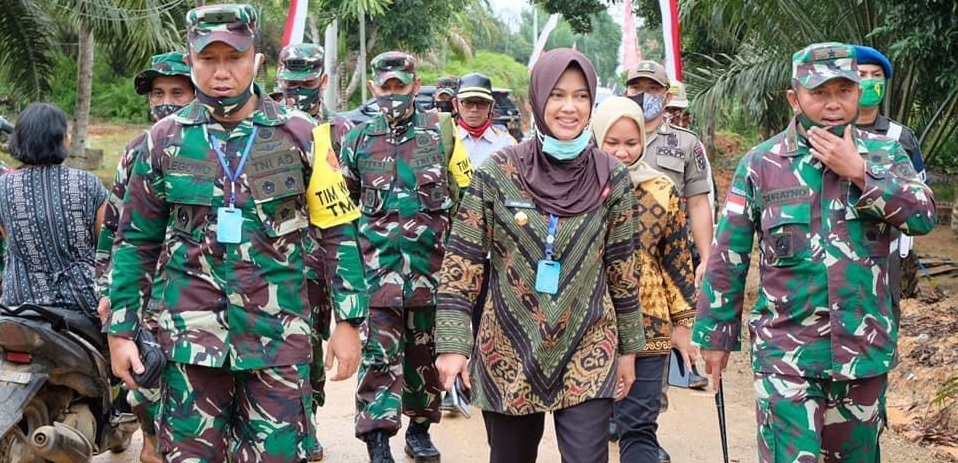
[(15, 446), (15, 449)]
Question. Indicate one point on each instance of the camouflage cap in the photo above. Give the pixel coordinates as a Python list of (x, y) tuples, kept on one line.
[(679, 98), (231, 23), (820, 62), (447, 85), (303, 61), (393, 65), (166, 64), (649, 70)]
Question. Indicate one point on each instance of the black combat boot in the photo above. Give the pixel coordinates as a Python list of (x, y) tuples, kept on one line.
[(419, 445), (377, 444)]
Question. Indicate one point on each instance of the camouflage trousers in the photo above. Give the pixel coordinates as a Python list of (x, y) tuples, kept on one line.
[(146, 407), (808, 420), (218, 415), (398, 372)]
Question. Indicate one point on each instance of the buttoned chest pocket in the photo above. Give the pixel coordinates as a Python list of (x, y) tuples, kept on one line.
[(872, 235), (376, 181), (432, 181), (670, 161), (786, 230), (189, 187), (278, 186)]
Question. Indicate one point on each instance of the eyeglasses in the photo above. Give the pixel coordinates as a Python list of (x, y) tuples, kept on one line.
[(481, 104)]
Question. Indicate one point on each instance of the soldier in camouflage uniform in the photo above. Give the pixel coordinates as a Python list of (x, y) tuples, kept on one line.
[(301, 80), (406, 168), (168, 89), (446, 89), (824, 199), (216, 208)]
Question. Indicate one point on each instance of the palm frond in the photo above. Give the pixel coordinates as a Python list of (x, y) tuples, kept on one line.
[(26, 49)]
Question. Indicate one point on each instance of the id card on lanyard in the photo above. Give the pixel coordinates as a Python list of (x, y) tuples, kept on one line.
[(547, 273), (229, 219)]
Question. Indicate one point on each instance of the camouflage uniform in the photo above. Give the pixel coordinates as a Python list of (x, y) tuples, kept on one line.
[(145, 402), (303, 62), (407, 186), (234, 319), (822, 330)]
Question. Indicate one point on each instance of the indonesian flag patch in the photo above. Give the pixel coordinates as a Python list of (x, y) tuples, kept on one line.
[(735, 203)]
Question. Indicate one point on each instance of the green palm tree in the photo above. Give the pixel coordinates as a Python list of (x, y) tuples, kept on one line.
[(29, 30)]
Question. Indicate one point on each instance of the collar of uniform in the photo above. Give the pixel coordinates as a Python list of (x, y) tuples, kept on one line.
[(267, 112), (792, 140), (859, 136)]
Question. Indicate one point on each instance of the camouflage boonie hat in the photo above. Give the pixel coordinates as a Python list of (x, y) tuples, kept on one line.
[(231, 23), (393, 65), (447, 85), (166, 64), (303, 61), (820, 62)]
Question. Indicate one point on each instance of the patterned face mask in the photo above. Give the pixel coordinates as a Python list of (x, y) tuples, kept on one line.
[(394, 106), (162, 110), (304, 99)]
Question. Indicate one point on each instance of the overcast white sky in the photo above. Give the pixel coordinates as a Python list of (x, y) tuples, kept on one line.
[(510, 10)]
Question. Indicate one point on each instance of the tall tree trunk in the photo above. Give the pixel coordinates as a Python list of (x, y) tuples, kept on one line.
[(81, 115), (313, 29), (359, 71)]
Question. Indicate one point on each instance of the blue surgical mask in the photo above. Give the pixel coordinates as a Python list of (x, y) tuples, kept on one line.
[(653, 105), (564, 150)]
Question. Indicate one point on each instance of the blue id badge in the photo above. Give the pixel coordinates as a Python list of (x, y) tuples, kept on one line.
[(229, 225), (547, 276)]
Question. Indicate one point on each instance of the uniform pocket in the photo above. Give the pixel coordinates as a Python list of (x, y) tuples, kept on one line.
[(786, 234), (671, 163), (191, 199), (280, 198), (872, 235), (432, 186), (375, 188)]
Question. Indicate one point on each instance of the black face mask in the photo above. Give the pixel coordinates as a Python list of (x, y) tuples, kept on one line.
[(444, 106), (638, 99)]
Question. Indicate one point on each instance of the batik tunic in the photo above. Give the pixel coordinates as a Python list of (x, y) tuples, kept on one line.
[(824, 305), (667, 289), (538, 352), (48, 213)]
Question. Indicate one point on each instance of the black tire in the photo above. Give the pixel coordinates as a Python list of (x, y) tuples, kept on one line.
[(909, 276)]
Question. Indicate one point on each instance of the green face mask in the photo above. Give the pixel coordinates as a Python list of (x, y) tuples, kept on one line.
[(807, 124), (873, 90)]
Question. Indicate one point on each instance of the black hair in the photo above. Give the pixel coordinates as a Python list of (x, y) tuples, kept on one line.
[(39, 135)]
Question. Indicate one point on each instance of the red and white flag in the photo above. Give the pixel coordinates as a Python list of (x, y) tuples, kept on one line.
[(295, 23), (735, 202), (670, 33)]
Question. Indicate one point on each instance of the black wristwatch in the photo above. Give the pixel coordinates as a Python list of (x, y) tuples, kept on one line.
[(354, 322)]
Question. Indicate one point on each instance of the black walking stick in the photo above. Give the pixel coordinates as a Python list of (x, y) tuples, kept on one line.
[(720, 406)]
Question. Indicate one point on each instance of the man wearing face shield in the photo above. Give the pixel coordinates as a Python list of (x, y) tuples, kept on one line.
[(875, 70), (218, 198), (168, 89), (406, 168), (301, 80)]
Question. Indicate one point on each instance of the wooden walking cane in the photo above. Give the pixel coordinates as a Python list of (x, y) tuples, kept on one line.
[(720, 407)]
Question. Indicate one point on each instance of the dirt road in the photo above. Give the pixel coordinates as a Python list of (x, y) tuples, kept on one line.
[(689, 430)]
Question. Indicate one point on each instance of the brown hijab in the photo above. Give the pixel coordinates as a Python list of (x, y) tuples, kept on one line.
[(568, 187)]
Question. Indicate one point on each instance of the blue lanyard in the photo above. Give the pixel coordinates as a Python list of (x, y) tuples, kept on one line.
[(234, 175), (551, 237)]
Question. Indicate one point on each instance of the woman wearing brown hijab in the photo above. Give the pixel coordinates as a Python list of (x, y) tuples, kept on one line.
[(557, 217)]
